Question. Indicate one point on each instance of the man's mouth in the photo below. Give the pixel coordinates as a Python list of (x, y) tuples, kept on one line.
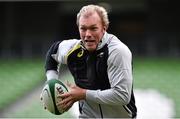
[(89, 41)]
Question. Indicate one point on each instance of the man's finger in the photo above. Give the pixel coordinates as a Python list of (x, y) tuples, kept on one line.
[(65, 100), (68, 105), (64, 95)]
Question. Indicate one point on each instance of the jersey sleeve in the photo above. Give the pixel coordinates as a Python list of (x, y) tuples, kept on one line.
[(50, 63), (57, 55), (120, 78), (64, 48)]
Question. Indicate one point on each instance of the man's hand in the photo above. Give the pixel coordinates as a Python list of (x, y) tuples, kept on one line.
[(75, 94)]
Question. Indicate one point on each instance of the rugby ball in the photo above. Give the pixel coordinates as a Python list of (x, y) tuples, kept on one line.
[(52, 89)]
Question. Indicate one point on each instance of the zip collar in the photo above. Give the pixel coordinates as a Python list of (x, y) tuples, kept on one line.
[(103, 41)]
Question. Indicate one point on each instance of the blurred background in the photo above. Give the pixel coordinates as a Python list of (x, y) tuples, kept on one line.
[(150, 28)]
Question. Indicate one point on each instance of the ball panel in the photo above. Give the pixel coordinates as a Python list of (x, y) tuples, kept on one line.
[(52, 89), (59, 89), (51, 84), (47, 99)]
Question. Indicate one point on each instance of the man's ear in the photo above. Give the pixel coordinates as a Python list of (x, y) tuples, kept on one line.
[(104, 28)]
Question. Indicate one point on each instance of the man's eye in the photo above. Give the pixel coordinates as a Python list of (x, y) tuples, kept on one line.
[(94, 28), (82, 29)]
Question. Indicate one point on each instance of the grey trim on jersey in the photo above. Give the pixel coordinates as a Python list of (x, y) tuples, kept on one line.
[(51, 74)]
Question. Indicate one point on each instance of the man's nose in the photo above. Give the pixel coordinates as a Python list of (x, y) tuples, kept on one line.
[(88, 33)]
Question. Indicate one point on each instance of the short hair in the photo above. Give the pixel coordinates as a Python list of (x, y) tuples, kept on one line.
[(101, 11)]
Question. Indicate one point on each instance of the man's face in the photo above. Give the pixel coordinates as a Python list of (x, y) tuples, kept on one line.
[(91, 31)]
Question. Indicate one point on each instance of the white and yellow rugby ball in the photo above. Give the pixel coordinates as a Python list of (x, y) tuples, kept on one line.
[(52, 89)]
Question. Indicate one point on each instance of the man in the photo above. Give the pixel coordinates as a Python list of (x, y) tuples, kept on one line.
[(101, 66)]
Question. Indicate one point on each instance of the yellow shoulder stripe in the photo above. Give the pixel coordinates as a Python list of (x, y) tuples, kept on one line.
[(73, 49)]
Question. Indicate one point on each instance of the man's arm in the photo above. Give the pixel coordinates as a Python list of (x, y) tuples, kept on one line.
[(56, 55), (50, 63), (120, 78)]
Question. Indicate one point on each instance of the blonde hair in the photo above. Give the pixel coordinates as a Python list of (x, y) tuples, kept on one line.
[(89, 9)]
